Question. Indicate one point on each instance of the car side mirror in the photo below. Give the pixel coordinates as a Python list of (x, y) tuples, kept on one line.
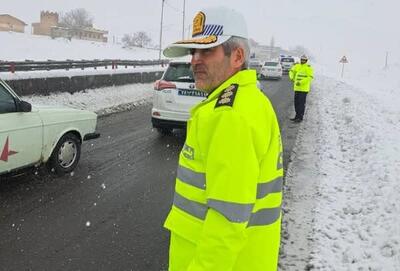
[(25, 106)]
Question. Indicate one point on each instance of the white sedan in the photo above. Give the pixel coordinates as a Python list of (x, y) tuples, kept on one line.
[(32, 135), (271, 69)]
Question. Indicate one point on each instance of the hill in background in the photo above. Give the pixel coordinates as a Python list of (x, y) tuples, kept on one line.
[(23, 46)]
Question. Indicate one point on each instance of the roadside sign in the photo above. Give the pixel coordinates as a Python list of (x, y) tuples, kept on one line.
[(344, 60)]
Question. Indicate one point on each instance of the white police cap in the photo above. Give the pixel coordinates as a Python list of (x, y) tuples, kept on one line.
[(211, 27)]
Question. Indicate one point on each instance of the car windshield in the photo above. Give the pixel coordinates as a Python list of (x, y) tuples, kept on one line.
[(287, 59), (179, 72), (7, 102), (271, 64), (254, 64)]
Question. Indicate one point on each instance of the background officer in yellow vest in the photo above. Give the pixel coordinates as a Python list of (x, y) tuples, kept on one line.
[(226, 213), (301, 74)]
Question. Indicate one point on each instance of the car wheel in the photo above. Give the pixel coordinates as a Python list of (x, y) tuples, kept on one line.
[(164, 131), (65, 155)]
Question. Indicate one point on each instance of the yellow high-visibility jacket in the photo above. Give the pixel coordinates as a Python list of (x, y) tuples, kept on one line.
[(301, 75), (226, 213)]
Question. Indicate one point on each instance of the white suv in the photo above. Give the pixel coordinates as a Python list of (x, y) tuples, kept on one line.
[(287, 62), (174, 95)]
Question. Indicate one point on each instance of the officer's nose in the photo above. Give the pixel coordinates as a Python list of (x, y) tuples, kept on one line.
[(196, 56)]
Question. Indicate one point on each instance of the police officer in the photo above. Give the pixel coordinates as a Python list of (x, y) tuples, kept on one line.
[(301, 74), (226, 212)]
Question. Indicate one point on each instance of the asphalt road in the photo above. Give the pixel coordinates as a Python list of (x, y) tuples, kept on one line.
[(108, 215)]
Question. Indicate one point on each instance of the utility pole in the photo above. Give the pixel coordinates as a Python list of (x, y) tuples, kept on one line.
[(271, 45), (161, 29), (189, 32), (343, 60), (386, 60), (183, 20)]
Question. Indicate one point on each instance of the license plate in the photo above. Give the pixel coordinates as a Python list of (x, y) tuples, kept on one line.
[(194, 93)]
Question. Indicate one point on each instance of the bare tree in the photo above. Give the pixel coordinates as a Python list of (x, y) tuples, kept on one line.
[(139, 39), (127, 40), (77, 19)]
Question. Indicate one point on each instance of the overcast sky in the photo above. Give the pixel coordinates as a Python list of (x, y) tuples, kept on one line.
[(336, 26)]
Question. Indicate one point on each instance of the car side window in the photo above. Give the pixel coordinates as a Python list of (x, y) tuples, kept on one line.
[(7, 101)]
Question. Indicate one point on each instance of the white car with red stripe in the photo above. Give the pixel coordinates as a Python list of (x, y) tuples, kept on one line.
[(174, 95), (32, 135)]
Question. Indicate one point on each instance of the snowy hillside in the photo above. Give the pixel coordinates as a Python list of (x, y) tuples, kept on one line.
[(22, 46)]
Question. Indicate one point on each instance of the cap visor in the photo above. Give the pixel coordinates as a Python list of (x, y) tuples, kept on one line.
[(182, 48)]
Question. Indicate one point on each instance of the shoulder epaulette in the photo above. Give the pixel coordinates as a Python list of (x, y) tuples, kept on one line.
[(227, 96)]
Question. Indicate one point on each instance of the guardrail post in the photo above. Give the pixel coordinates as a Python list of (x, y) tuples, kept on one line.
[(113, 64), (12, 67)]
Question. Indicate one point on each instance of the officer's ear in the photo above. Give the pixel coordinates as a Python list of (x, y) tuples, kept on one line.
[(237, 58)]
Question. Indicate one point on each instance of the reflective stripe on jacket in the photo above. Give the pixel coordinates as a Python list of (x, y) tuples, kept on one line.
[(228, 190), (301, 75)]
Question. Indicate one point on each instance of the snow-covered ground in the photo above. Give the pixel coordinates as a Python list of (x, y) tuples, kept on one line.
[(102, 100), (22, 46), (343, 188)]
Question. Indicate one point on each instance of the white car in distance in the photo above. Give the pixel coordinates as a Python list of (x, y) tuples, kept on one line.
[(271, 70), (255, 64), (174, 95), (32, 135), (287, 62)]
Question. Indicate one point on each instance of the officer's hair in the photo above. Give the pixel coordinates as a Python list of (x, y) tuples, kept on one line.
[(236, 42)]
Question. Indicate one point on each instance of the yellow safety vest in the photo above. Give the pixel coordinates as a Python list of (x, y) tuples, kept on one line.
[(228, 193), (301, 75)]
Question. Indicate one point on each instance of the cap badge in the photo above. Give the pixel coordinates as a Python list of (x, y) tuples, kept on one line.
[(198, 23)]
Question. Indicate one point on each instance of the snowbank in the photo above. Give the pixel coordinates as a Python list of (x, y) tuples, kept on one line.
[(345, 177), (102, 100)]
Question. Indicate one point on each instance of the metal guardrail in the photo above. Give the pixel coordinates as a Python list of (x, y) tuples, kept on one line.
[(13, 66)]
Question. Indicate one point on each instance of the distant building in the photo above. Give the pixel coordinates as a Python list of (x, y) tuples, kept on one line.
[(265, 51), (49, 26), (47, 21), (87, 33), (11, 23)]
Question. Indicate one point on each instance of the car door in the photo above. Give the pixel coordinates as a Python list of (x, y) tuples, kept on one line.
[(20, 133)]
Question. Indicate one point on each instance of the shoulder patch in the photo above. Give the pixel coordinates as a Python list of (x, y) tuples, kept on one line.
[(227, 96)]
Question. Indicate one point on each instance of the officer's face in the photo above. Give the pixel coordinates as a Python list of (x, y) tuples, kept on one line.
[(211, 67), (303, 61)]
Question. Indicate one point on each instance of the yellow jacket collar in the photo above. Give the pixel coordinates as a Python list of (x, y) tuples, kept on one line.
[(241, 78)]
